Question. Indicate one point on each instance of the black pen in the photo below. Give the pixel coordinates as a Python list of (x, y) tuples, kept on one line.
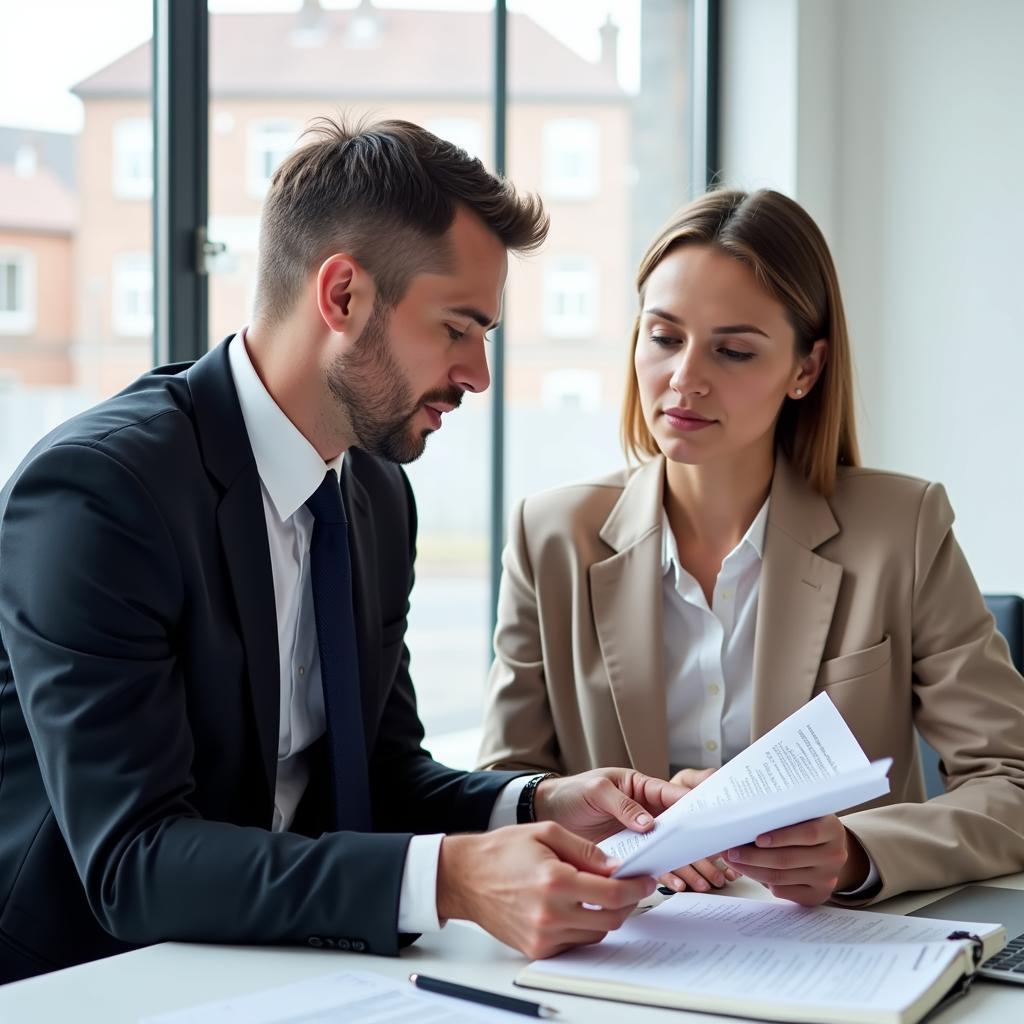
[(476, 995)]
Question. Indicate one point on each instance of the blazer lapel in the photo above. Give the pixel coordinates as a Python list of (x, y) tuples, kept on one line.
[(243, 535), (625, 592), (797, 599), (362, 540)]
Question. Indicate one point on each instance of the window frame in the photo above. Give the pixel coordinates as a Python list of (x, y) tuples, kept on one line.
[(21, 320), (127, 133), (180, 115), (565, 140)]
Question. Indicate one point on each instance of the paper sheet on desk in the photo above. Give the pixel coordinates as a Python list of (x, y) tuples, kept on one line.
[(807, 766), (350, 996)]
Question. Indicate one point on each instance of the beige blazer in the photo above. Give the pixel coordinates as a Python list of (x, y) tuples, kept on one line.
[(865, 595)]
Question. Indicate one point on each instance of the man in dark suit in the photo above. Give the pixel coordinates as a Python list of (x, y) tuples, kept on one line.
[(207, 727)]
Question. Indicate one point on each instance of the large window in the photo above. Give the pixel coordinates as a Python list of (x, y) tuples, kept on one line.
[(597, 120), (76, 179)]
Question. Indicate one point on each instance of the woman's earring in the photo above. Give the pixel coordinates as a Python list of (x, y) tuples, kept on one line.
[(798, 393)]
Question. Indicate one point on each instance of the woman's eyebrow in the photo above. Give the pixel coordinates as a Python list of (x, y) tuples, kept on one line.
[(661, 314), (739, 329)]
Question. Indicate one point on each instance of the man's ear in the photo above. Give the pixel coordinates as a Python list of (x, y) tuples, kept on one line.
[(345, 295)]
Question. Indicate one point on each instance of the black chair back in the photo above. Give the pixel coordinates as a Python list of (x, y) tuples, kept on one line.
[(1008, 610)]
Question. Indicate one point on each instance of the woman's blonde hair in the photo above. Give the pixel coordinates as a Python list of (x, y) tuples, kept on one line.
[(778, 241)]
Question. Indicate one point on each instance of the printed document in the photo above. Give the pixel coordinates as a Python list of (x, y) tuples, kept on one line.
[(807, 766)]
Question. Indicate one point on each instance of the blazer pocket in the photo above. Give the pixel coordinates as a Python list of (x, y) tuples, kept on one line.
[(855, 664)]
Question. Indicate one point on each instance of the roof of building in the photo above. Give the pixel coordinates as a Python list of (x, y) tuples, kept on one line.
[(373, 53), (55, 150), (36, 202)]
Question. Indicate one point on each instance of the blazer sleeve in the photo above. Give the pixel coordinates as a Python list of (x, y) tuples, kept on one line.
[(518, 733), (970, 707), (91, 596)]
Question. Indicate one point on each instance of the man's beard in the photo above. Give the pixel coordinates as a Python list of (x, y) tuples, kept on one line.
[(369, 386)]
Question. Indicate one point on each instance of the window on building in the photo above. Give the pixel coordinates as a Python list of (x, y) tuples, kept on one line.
[(570, 297), (571, 153), (17, 292), (269, 143), (571, 390), (133, 294), (465, 132), (133, 158)]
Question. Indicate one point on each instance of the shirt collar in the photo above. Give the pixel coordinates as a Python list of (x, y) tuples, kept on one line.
[(289, 466), (752, 541)]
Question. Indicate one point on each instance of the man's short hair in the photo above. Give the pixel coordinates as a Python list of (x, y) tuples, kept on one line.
[(386, 193)]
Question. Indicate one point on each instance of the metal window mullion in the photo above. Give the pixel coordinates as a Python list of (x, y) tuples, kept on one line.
[(497, 508), (180, 119), (707, 21)]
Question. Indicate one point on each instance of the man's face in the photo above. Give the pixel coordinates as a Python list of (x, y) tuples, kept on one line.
[(412, 364)]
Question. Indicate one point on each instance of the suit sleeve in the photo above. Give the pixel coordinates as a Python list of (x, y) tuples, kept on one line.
[(91, 595), (970, 708), (412, 791), (519, 732)]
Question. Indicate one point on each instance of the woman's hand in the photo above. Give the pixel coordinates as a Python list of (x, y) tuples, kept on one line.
[(805, 863), (702, 874)]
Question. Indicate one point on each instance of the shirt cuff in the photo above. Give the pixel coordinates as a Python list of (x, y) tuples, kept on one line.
[(504, 810), (869, 883), (417, 901)]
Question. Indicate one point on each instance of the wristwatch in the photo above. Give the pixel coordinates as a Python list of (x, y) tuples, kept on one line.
[(525, 812)]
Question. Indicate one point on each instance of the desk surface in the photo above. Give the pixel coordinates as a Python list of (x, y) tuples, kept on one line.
[(176, 975)]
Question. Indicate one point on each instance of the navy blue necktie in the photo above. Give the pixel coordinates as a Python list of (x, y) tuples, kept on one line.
[(331, 574)]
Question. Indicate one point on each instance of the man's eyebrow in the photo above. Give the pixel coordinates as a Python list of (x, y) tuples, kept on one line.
[(661, 314), (474, 314)]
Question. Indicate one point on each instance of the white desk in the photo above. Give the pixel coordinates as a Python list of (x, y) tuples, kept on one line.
[(176, 975)]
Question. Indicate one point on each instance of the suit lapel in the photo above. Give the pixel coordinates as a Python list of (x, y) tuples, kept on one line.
[(796, 601), (242, 527), (626, 603), (362, 540)]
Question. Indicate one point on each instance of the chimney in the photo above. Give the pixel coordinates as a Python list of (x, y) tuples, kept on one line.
[(364, 27), (308, 29), (610, 46)]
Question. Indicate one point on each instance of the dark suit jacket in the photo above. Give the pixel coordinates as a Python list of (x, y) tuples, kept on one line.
[(139, 695)]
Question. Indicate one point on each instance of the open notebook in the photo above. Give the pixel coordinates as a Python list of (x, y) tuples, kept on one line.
[(775, 961)]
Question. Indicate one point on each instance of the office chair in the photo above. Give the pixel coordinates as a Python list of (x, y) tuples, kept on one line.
[(1008, 610)]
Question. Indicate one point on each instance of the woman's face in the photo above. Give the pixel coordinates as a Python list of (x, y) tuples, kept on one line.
[(715, 358)]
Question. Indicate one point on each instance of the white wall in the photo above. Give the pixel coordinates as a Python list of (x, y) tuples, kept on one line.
[(904, 137)]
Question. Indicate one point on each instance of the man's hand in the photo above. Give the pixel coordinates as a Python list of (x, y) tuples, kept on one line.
[(805, 863), (599, 803), (701, 874), (526, 885)]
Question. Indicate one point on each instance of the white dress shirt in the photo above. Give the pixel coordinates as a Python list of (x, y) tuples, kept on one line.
[(709, 651), (290, 470), (709, 656)]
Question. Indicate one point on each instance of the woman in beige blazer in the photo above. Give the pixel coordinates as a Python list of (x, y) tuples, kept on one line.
[(663, 617)]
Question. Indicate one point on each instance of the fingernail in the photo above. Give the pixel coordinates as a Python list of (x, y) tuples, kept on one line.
[(612, 862), (731, 875), (643, 819), (719, 880), (678, 884), (764, 840)]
